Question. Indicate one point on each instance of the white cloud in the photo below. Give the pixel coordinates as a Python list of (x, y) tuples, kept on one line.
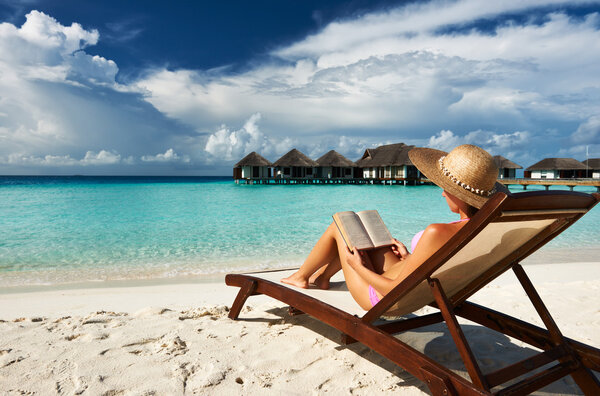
[(227, 145), (402, 24), (445, 141), (102, 157), (169, 156), (44, 49), (91, 158), (230, 145), (588, 132), (493, 142), (394, 69)]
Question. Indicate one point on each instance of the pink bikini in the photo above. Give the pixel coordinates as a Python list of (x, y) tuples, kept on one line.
[(373, 297)]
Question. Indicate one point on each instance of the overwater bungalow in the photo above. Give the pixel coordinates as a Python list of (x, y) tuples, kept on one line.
[(334, 165), (388, 162), (295, 165), (556, 168), (252, 167), (592, 168), (506, 168)]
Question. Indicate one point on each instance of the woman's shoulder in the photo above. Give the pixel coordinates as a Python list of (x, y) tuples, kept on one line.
[(441, 229)]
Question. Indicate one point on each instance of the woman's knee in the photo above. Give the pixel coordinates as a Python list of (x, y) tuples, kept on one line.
[(332, 231)]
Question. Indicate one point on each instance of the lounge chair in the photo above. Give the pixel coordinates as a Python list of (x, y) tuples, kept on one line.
[(504, 232)]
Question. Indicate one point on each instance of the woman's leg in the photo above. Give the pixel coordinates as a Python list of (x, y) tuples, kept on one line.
[(358, 287), (324, 252), (328, 249), (381, 260), (323, 275)]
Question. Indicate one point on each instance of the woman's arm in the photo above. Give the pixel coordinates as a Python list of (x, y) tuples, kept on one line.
[(360, 262), (434, 237)]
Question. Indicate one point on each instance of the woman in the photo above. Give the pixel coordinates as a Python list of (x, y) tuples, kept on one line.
[(467, 176)]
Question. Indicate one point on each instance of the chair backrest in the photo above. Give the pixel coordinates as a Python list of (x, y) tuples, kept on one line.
[(502, 233)]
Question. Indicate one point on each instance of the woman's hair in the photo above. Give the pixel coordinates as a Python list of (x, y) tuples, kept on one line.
[(471, 210)]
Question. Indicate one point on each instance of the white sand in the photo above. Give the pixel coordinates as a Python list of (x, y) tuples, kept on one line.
[(177, 339)]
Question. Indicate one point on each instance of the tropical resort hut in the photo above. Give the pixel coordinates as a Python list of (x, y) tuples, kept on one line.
[(252, 167), (295, 165), (388, 162), (506, 168), (334, 165), (556, 168), (592, 168)]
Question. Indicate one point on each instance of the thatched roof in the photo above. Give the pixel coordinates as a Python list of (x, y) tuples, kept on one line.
[(253, 159), (557, 163), (592, 163), (295, 158), (503, 163), (390, 154), (333, 158)]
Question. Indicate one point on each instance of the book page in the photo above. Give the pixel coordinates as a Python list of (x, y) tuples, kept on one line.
[(379, 233), (353, 231)]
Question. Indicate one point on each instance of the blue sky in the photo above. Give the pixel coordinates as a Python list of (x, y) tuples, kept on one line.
[(189, 88)]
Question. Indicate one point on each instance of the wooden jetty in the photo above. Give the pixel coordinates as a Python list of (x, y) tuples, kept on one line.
[(571, 183), (547, 183), (318, 180)]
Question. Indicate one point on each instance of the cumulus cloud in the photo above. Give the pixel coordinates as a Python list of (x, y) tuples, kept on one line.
[(517, 146), (44, 49), (495, 143), (91, 158), (169, 156), (229, 145), (588, 132), (57, 98), (102, 157), (445, 140)]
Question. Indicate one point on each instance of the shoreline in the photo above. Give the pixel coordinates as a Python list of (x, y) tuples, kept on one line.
[(131, 295), (548, 255)]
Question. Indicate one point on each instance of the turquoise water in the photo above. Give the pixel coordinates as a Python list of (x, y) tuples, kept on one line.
[(73, 229)]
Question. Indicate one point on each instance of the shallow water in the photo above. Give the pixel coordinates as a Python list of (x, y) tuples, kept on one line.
[(73, 229)]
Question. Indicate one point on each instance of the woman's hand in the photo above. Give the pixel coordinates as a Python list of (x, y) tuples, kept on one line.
[(358, 258), (399, 249)]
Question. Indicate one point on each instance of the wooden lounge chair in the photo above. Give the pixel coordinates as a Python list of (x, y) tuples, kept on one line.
[(504, 232)]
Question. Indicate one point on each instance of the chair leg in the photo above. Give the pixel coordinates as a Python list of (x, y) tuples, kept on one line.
[(245, 291), (459, 338), (583, 377), (438, 385)]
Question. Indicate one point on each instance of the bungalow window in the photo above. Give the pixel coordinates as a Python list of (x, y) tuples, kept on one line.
[(348, 171), (309, 171), (286, 171)]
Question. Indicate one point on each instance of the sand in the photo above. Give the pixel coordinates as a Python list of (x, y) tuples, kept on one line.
[(176, 339)]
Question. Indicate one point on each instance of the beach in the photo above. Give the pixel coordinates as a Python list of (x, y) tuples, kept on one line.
[(152, 338)]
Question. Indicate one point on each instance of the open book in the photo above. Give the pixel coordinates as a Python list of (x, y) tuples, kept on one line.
[(362, 230)]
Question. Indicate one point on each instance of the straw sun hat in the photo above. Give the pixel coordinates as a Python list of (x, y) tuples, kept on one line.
[(468, 172)]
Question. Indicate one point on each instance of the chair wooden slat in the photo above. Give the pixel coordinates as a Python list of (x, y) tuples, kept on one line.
[(515, 370)]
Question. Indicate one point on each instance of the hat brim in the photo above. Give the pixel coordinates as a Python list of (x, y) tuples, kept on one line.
[(426, 160)]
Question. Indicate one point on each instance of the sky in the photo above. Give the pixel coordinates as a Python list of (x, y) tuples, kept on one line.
[(191, 87)]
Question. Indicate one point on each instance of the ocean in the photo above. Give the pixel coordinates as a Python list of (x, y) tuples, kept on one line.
[(63, 230)]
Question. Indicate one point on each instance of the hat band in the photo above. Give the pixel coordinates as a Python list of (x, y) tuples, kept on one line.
[(455, 180)]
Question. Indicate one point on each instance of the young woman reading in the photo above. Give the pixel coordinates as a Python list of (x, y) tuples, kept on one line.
[(467, 176)]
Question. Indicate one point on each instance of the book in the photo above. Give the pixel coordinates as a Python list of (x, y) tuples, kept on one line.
[(363, 230)]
